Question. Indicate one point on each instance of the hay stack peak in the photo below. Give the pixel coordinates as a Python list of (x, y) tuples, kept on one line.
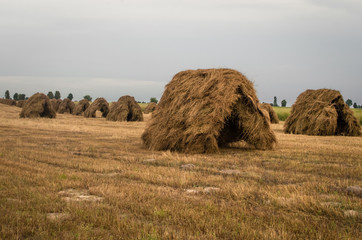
[(270, 112), (66, 106), (100, 104), (125, 109), (203, 109), (321, 112), (36, 106), (81, 107)]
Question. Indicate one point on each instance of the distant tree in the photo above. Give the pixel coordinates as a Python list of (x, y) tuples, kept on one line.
[(87, 97), (50, 95), (21, 96), (7, 94), (57, 95), (275, 103), (349, 102), (355, 105), (70, 96), (16, 96), (153, 99), (284, 103)]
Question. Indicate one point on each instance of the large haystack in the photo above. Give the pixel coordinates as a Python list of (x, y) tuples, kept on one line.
[(55, 103), (125, 109), (100, 104), (150, 107), (66, 106), (203, 109), (272, 114), (36, 106), (20, 103), (81, 107), (321, 112)]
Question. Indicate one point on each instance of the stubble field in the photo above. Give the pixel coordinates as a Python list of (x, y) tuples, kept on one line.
[(78, 178)]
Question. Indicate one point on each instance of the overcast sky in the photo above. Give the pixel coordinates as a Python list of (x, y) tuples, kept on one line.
[(111, 48)]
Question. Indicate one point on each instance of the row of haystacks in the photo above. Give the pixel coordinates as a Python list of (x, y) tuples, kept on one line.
[(55, 103), (100, 104), (81, 107), (223, 108), (150, 107), (37, 106), (66, 106), (9, 102), (125, 109), (20, 103), (269, 112), (322, 112)]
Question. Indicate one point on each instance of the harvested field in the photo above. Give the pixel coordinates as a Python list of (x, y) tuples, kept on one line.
[(82, 178)]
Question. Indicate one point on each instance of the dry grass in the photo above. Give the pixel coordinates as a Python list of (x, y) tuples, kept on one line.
[(299, 190)]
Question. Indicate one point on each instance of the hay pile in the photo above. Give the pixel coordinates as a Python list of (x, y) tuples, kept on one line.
[(125, 109), (36, 106), (20, 103), (223, 108), (100, 104), (66, 106), (321, 112), (272, 114), (81, 107), (150, 107), (55, 103), (9, 102)]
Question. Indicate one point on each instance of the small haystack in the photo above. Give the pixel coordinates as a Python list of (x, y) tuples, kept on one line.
[(150, 107), (272, 114), (81, 107), (66, 106), (203, 109), (36, 106), (9, 102), (20, 103), (100, 104), (321, 112), (55, 103), (125, 109)]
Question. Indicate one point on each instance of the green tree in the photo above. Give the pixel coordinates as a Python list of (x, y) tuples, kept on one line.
[(87, 97), (57, 95), (16, 96), (349, 102), (21, 96), (7, 94), (275, 103), (70, 96), (355, 105), (153, 99), (284, 103), (50, 95)]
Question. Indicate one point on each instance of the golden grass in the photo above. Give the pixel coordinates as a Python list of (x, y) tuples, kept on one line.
[(297, 191)]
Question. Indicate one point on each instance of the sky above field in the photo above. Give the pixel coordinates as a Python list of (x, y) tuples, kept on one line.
[(111, 48)]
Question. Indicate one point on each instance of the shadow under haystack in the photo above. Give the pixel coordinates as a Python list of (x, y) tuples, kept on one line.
[(125, 109), (36, 106), (55, 104), (81, 107), (321, 112), (150, 107), (271, 113), (100, 104), (66, 106), (222, 109)]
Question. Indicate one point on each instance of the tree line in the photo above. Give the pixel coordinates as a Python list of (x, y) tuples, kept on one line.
[(50, 95)]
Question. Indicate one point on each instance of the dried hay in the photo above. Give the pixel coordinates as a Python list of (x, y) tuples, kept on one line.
[(36, 106), (55, 103), (100, 104), (9, 102), (223, 108), (150, 107), (125, 109), (81, 107), (20, 103), (66, 106), (272, 114), (321, 112)]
